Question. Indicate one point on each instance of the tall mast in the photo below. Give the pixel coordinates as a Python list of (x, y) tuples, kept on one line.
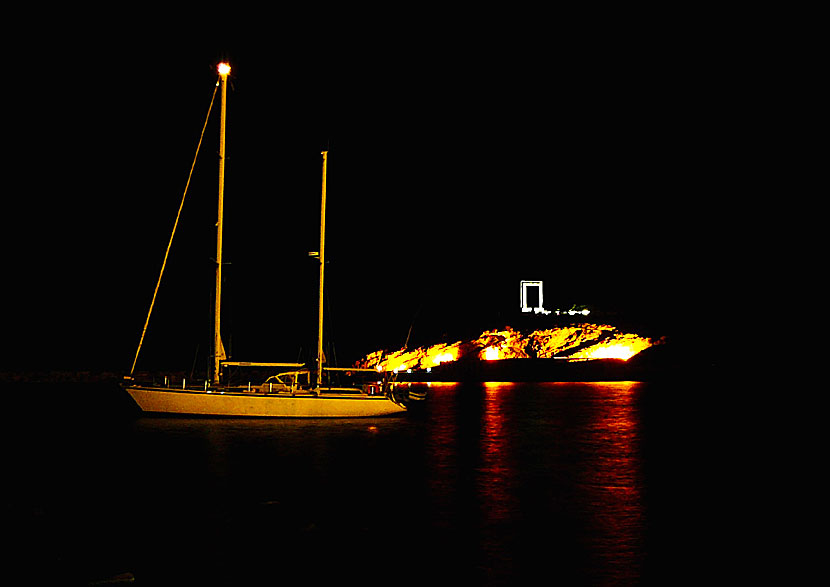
[(219, 349), (322, 256)]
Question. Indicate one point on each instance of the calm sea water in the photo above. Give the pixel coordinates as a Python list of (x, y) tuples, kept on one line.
[(495, 483)]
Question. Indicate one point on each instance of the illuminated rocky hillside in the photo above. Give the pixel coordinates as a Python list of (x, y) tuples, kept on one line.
[(574, 342)]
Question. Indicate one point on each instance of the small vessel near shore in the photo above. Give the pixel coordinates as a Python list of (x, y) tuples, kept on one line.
[(296, 390)]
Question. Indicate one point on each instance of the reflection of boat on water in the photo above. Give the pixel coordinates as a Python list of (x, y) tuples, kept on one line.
[(309, 391)]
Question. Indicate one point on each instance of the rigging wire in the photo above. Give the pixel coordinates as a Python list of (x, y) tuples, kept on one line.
[(173, 234)]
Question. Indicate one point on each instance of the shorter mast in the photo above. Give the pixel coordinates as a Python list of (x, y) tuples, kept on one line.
[(322, 257)]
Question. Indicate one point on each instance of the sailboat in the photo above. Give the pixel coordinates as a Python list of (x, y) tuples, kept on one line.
[(303, 391)]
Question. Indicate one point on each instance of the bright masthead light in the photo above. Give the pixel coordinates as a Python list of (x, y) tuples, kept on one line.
[(224, 68)]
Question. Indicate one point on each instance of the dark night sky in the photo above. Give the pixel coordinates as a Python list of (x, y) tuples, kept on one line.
[(602, 164)]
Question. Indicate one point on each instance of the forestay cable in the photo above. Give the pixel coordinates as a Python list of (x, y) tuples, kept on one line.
[(172, 234)]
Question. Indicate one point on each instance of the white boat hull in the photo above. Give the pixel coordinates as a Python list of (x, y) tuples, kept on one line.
[(215, 403)]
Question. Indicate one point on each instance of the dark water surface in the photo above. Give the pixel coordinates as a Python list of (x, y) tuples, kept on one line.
[(495, 483)]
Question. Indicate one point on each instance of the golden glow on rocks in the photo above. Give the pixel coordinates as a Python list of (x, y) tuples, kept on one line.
[(579, 341), (622, 346)]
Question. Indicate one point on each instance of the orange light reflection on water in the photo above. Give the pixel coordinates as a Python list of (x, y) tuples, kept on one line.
[(612, 482), (497, 473), (536, 466)]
